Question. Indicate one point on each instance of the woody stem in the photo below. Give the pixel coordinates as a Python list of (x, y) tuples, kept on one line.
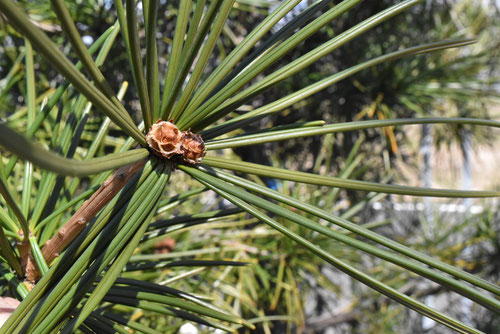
[(84, 214)]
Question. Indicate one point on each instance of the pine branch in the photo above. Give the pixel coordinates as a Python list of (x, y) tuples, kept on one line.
[(78, 221)]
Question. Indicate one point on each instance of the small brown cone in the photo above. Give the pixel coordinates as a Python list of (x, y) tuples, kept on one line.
[(193, 148), (165, 139)]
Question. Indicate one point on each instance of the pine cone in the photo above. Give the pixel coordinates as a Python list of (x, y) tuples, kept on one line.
[(165, 139), (193, 148)]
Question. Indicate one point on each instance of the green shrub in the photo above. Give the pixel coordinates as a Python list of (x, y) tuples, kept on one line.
[(95, 269)]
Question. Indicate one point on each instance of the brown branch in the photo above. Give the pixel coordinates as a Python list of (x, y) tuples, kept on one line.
[(329, 320), (322, 322), (28, 264), (84, 214)]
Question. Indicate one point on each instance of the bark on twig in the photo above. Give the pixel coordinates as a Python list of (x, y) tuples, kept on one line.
[(84, 214), (28, 264), (323, 322)]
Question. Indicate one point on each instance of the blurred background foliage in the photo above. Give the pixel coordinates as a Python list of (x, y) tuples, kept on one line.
[(285, 289)]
